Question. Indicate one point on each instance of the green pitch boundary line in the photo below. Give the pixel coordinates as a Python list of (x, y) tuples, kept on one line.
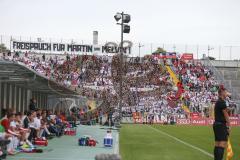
[(183, 142)]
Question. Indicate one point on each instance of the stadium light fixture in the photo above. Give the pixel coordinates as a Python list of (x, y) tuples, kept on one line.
[(126, 28), (126, 18), (117, 17)]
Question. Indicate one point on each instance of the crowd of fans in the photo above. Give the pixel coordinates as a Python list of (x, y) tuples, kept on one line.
[(147, 87), (200, 89)]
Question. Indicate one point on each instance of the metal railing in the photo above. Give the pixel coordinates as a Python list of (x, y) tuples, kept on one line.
[(220, 78)]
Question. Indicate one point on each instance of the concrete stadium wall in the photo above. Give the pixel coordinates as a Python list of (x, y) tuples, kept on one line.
[(231, 77), (18, 98)]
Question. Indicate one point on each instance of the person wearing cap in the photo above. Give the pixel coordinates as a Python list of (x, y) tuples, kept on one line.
[(221, 126)]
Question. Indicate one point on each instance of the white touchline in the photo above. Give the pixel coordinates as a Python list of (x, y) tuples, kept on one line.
[(179, 140), (50, 158), (116, 148)]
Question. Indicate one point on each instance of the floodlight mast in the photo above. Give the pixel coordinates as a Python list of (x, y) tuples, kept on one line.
[(125, 18)]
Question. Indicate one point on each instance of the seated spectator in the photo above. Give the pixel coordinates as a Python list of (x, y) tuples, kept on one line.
[(13, 136), (28, 123), (4, 141), (54, 128), (37, 125), (44, 132)]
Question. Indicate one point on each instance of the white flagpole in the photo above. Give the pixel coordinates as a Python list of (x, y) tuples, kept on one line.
[(1, 43), (197, 50), (151, 48), (219, 53), (10, 44), (30, 42), (51, 46)]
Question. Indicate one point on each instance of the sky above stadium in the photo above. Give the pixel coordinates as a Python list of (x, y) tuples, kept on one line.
[(179, 22)]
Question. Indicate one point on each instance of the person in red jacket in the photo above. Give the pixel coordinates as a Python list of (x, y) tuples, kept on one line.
[(6, 122)]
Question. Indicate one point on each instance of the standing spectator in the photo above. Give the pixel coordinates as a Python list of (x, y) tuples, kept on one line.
[(43, 57), (32, 105)]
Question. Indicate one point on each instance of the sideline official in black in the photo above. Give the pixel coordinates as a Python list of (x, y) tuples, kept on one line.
[(221, 126)]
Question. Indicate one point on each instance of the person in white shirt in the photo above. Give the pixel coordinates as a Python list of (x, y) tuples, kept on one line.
[(15, 132), (37, 123)]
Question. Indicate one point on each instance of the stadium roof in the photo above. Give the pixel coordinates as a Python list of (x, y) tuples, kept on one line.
[(18, 74)]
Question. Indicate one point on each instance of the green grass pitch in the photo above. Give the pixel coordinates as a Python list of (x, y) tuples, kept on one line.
[(141, 142)]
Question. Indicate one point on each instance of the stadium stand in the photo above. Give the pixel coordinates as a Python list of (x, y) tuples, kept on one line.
[(154, 92)]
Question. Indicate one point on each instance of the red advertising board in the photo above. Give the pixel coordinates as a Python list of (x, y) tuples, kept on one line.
[(234, 121), (199, 122), (194, 115), (183, 121), (210, 121), (187, 56)]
